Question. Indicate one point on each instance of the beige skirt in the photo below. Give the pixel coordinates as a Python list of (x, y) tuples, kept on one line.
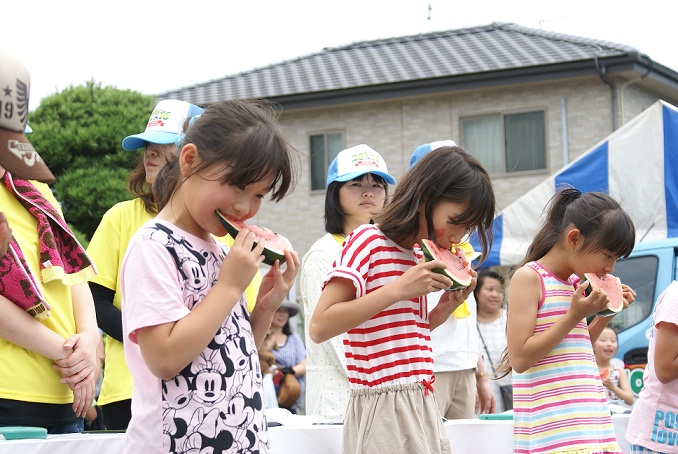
[(394, 419)]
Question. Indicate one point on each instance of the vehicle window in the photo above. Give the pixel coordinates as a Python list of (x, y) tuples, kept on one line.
[(639, 273)]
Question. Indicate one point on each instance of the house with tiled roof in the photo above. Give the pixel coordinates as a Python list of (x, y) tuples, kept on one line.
[(524, 101)]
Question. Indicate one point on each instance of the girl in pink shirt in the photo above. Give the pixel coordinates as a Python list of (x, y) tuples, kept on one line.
[(190, 343)]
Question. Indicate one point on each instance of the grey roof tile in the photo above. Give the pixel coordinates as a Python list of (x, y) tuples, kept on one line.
[(498, 46)]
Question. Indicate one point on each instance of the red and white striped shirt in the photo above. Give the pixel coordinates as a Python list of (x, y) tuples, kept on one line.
[(394, 346)]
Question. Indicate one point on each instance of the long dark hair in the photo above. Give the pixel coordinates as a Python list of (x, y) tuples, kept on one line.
[(600, 219), (241, 135), (139, 187), (445, 174), (335, 216)]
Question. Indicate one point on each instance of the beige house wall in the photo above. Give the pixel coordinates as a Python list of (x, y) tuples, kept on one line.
[(396, 127)]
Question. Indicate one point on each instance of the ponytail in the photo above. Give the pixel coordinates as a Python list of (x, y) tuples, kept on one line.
[(600, 219), (553, 226)]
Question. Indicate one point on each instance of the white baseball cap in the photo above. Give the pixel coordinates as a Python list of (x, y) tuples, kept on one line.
[(17, 155), (356, 161), (164, 125)]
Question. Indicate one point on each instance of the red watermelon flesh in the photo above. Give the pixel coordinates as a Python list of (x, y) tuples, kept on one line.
[(611, 285), (275, 245), (604, 374), (458, 267)]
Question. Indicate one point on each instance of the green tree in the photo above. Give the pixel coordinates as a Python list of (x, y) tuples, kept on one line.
[(78, 132)]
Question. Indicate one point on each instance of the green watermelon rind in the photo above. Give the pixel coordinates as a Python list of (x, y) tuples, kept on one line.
[(605, 312), (457, 284), (270, 255)]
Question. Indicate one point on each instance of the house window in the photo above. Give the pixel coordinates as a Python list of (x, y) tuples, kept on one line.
[(507, 143), (324, 148)]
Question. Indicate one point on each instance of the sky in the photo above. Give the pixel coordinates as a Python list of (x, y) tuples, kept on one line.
[(157, 46)]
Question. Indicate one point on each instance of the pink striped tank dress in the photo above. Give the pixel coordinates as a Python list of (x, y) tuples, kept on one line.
[(559, 403)]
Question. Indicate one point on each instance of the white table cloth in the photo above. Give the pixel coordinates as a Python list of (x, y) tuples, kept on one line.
[(301, 436)]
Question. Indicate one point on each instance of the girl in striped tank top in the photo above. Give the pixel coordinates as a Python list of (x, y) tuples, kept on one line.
[(376, 294), (559, 402)]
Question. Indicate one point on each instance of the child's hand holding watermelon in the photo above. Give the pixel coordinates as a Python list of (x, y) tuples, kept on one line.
[(242, 261), (628, 294), (276, 283), (452, 299), (587, 302)]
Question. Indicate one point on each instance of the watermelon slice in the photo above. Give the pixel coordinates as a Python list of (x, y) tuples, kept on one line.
[(274, 244), (458, 267), (605, 373), (612, 287)]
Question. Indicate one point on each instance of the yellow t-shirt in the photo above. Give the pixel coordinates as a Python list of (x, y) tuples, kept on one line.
[(25, 375), (107, 250)]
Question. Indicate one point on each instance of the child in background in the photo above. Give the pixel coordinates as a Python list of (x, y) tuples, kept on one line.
[(652, 427), (559, 402), (614, 378), (376, 292), (190, 343)]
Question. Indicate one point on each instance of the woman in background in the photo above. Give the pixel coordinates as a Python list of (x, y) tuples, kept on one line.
[(491, 325)]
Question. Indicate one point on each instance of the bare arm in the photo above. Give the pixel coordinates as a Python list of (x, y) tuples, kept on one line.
[(80, 368), (599, 323), (485, 402), (300, 369), (339, 311), (666, 352), (275, 285), (169, 347), (526, 348), (19, 328), (5, 234), (623, 391)]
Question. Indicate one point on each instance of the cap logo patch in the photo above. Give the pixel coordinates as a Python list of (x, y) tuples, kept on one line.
[(158, 118), (365, 159), (24, 151)]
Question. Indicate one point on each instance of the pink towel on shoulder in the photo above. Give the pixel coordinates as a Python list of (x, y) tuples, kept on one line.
[(61, 256)]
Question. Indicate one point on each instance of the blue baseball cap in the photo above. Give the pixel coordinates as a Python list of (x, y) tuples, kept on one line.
[(165, 125), (356, 161), (423, 150)]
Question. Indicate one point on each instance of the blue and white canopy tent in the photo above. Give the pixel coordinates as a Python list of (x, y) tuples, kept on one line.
[(637, 165)]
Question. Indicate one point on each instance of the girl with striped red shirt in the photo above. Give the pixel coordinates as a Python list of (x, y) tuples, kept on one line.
[(377, 291)]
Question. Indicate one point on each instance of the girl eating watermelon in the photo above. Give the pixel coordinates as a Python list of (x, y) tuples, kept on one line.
[(376, 293), (558, 401), (190, 342)]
